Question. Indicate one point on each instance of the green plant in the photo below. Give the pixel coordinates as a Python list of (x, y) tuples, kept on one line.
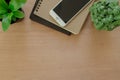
[(105, 14), (10, 12)]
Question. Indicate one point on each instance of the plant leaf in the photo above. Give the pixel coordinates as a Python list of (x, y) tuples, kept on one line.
[(3, 4), (14, 18), (0, 16), (18, 14), (6, 21), (16, 4), (3, 7), (2, 11)]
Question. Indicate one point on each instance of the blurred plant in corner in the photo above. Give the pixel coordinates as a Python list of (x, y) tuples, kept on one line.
[(105, 14), (10, 12)]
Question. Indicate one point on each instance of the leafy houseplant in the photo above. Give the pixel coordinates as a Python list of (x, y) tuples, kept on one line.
[(10, 12), (105, 14)]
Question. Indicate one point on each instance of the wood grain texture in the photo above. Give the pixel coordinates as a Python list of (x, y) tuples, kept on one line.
[(31, 51)]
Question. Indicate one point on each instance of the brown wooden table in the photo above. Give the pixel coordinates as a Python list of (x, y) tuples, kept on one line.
[(31, 51)]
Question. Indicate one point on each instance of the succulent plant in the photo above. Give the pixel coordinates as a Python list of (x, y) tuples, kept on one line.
[(105, 14)]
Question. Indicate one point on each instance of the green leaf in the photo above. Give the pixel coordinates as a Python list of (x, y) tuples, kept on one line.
[(6, 21), (14, 18), (2, 11), (3, 4), (1, 16), (3, 7), (112, 0), (16, 4), (18, 14)]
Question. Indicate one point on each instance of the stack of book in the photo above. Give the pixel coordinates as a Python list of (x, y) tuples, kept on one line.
[(40, 13)]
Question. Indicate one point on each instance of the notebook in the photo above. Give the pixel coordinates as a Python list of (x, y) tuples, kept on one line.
[(40, 13)]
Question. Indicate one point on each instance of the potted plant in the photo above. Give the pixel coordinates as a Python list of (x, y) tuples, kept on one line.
[(10, 12), (105, 14)]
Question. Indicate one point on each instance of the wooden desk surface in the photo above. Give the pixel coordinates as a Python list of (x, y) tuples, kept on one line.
[(31, 51)]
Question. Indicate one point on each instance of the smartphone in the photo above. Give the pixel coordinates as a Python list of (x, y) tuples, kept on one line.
[(66, 10)]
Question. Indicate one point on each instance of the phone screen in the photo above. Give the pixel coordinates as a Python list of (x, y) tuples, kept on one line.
[(66, 9)]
